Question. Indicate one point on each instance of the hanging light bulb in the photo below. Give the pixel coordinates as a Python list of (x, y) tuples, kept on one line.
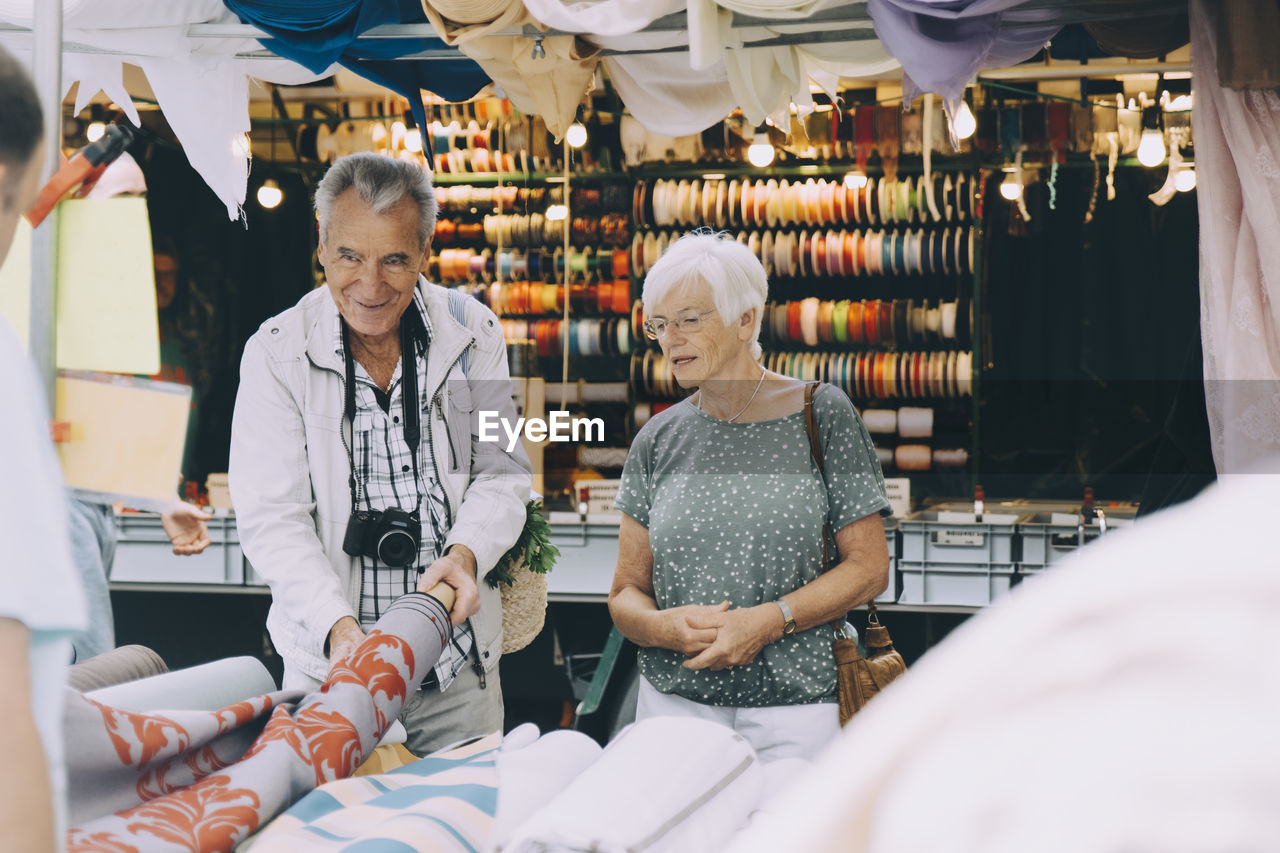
[(1185, 179), (855, 180), (378, 133), (413, 140), (557, 212), (269, 194), (760, 153), (576, 135), (1151, 149), (94, 131), (1011, 186), (963, 122)]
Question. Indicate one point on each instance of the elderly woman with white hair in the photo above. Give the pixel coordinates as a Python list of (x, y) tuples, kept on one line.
[(720, 578)]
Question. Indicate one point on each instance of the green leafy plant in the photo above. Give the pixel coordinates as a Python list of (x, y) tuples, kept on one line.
[(533, 547)]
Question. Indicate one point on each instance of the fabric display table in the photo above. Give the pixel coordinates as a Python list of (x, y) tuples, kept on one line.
[(201, 780)]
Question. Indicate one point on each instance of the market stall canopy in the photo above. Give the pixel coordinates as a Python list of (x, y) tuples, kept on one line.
[(318, 34), (198, 59), (679, 66)]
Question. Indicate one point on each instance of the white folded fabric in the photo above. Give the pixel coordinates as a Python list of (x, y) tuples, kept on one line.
[(531, 771), (663, 784)]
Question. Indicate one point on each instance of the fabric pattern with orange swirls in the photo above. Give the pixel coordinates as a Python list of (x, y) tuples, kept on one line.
[(206, 780)]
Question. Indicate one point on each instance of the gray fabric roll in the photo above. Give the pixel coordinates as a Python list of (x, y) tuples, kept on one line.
[(206, 687), (118, 666)]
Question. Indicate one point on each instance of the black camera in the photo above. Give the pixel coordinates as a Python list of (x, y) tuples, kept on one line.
[(391, 536)]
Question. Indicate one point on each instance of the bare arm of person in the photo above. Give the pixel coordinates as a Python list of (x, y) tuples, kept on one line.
[(456, 570), (185, 526), (861, 575), (633, 606), (26, 797)]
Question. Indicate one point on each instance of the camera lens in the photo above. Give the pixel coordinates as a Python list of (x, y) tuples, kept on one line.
[(397, 548)]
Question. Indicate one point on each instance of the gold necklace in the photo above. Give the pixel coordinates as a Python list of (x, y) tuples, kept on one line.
[(750, 399)]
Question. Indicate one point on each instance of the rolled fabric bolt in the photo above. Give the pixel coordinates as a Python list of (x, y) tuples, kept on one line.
[(915, 422), (642, 414), (913, 457), (880, 421), (809, 320), (949, 320), (956, 457), (933, 321), (885, 455), (602, 457)]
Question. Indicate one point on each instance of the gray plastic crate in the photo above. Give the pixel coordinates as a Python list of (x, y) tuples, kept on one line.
[(1048, 537), (890, 594), (965, 584), (930, 537), (1016, 506), (145, 555)]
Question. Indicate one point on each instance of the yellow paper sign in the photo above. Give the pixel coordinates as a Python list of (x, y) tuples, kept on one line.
[(15, 283), (106, 287), (127, 437)]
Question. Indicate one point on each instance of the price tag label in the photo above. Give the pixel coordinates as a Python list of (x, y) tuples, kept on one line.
[(898, 491), (963, 538)]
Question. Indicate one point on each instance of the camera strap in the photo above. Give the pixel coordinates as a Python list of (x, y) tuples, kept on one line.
[(408, 399)]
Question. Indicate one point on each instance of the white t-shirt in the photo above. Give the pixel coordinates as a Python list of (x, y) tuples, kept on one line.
[(39, 586)]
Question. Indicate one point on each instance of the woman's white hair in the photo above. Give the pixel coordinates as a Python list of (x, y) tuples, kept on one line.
[(734, 275)]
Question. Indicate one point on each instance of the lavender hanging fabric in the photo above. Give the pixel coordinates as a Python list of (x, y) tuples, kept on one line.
[(204, 781), (943, 44)]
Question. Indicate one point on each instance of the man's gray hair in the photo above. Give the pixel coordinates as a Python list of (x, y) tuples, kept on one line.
[(21, 127), (735, 276), (381, 183)]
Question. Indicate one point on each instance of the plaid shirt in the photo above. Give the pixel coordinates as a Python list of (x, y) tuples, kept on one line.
[(384, 469)]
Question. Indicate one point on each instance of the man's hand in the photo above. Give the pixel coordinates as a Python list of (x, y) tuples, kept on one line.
[(678, 631), (186, 528), (458, 569), (344, 637), (740, 635)]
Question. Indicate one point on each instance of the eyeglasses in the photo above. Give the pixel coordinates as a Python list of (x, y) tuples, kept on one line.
[(687, 324)]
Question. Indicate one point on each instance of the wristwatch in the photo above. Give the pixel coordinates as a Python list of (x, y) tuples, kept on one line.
[(788, 621)]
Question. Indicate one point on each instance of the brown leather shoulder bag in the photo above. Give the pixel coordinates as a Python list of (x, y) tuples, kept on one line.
[(858, 678)]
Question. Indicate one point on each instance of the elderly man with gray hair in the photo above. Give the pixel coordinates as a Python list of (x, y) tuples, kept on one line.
[(355, 470)]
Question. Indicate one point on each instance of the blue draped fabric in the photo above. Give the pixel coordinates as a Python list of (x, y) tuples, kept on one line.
[(318, 33)]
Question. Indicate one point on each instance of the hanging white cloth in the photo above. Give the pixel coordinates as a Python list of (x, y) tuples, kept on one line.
[(202, 88), (1237, 137), (602, 17)]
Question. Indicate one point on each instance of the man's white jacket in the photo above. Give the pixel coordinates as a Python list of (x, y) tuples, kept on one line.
[(289, 469)]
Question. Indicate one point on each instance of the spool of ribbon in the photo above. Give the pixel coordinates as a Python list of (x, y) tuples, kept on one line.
[(915, 422)]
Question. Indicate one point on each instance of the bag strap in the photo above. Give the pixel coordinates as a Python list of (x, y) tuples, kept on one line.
[(815, 450)]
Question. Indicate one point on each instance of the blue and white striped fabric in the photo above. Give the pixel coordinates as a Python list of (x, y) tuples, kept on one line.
[(444, 802)]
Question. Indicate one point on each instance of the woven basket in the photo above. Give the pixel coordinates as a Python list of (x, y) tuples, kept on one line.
[(524, 608)]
